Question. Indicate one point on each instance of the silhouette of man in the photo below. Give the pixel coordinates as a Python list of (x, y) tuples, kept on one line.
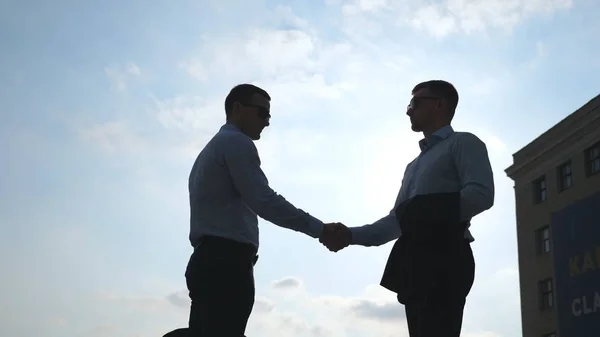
[(227, 192), (431, 266)]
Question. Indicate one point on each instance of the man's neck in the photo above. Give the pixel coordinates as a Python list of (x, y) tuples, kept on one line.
[(233, 123)]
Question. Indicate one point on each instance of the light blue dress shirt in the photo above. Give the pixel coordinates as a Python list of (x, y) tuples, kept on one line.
[(228, 190), (449, 162)]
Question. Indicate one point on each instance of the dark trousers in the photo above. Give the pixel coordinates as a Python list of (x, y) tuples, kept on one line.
[(437, 311), (220, 280)]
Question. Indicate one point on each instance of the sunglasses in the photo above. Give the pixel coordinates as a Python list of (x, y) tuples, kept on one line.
[(262, 112), (416, 101)]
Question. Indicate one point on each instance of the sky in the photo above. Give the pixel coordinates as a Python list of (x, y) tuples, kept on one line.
[(104, 106)]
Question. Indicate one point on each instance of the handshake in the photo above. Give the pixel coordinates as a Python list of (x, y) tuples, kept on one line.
[(335, 236)]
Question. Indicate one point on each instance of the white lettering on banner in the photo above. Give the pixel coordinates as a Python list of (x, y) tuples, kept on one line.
[(586, 305)]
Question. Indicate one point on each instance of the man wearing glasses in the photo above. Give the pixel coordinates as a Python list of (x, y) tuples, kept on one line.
[(431, 266), (227, 191)]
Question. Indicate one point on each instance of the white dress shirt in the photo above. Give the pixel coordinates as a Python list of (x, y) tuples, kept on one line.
[(449, 162), (228, 190)]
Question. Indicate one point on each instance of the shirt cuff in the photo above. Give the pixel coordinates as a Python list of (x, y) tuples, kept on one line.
[(315, 227)]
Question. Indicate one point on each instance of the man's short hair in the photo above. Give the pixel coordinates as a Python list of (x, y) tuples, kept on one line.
[(442, 89), (243, 93)]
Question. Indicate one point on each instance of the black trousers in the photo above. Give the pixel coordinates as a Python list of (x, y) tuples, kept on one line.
[(220, 280), (438, 310)]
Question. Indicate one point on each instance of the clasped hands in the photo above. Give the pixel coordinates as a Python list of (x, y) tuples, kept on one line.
[(335, 236)]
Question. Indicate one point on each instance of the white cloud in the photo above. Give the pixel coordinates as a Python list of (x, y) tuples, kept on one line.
[(442, 18), (113, 137), (433, 20), (289, 57), (297, 313), (309, 78), (477, 16), (287, 16), (287, 283), (189, 114), (133, 69), (119, 75), (262, 305), (195, 69), (117, 79), (280, 50), (540, 55), (369, 6)]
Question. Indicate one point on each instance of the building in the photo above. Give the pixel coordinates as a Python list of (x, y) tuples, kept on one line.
[(557, 194)]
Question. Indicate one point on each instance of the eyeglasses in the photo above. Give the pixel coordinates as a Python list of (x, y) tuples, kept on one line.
[(262, 112), (416, 101)]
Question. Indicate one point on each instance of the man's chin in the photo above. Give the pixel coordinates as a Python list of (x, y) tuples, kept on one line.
[(415, 128), (257, 136)]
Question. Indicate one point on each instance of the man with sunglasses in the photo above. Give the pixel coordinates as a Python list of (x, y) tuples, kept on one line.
[(431, 266), (228, 190)]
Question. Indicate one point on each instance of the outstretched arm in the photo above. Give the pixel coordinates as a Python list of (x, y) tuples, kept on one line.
[(337, 236), (378, 233), (243, 163)]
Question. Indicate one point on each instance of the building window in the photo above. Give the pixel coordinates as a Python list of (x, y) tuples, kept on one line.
[(546, 294), (543, 240), (565, 176), (540, 191), (592, 159)]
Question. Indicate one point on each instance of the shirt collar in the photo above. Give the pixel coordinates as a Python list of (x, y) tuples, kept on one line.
[(230, 127), (441, 134)]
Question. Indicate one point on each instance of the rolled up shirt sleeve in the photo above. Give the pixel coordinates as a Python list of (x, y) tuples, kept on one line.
[(243, 163)]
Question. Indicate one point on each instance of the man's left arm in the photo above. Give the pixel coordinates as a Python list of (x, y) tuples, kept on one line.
[(475, 174)]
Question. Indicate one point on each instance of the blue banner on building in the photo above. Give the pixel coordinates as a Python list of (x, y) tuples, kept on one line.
[(576, 250)]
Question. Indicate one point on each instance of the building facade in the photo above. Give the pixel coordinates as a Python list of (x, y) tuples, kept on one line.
[(557, 195)]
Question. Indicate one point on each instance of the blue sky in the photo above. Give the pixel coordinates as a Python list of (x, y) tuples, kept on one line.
[(105, 105)]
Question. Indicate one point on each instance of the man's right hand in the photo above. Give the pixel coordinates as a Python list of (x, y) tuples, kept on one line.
[(335, 236)]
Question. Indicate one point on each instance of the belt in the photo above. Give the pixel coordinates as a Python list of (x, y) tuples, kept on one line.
[(231, 246)]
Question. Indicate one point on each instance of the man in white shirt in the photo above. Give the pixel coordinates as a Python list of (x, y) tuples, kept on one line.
[(431, 266), (228, 191)]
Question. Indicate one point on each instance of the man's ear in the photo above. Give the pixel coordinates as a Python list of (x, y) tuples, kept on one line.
[(236, 106)]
